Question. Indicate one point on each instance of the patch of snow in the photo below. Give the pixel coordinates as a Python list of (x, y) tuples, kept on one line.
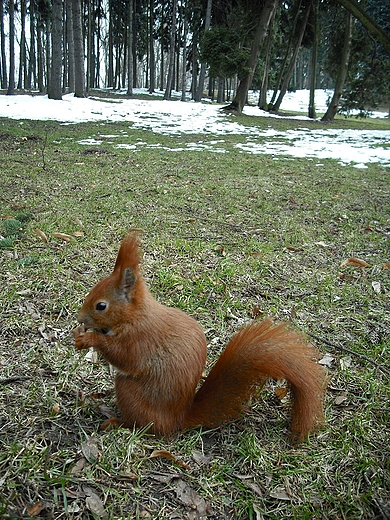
[(359, 147)]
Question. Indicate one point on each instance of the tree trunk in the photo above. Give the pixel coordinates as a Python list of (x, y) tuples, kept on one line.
[(284, 62), (135, 77), (70, 41), (264, 82), (161, 78), (41, 85), (199, 91), (372, 27), (110, 50), (48, 54), (22, 54), (97, 46), (11, 81), (79, 66), (194, 65), (31, 76), (168, 88), (130, 52), (177, 60), (221, 90), (152, 60), (55, 90), (314, 55), (286, 80), (343, 69), (184, 62), (65, 61), (4, 81), (90, 73), (242, 91)]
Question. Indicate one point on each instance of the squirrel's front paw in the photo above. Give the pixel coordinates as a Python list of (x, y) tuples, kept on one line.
[(79, 338)]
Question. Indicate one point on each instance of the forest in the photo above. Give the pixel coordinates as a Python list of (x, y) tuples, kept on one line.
[(214, 48)]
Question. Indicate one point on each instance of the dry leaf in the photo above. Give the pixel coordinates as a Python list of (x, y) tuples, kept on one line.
[(55, 408), (73, 507), (281, 392), (41, 235), (63, 236), (90, 450), (256, 311), (326, 361), (355, 262), (190, 498), (280, 494), (78, 467), (167, 455), (340, 398), (345, 362), (78, 234), (94, 503), (36, 509), (200, 458), (386, 265), (80, 396), (91, 356)]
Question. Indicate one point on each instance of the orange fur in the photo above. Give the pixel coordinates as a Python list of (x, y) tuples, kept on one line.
[(160, 353)]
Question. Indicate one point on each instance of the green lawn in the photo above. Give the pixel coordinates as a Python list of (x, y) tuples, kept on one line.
[(226, 236)]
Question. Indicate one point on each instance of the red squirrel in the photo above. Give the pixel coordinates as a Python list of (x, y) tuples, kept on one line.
[(160, 352)]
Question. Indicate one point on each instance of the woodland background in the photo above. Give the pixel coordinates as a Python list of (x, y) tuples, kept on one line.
[(229, 235), (218, 48)]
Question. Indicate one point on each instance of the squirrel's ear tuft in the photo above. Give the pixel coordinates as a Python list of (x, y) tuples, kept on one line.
[(127, 283), (129, 253)]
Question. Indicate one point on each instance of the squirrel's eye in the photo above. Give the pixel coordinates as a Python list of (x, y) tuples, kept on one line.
[(101, 306)]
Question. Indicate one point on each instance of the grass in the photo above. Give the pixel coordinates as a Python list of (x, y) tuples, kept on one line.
[(226, 236)]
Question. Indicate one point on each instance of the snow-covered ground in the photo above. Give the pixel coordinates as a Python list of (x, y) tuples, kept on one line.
[(175, 117)]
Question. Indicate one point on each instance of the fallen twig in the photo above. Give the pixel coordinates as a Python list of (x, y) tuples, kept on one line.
[(350, 351), (16, 379)]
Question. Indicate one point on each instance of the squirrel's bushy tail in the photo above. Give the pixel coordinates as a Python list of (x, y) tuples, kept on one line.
[(256, 353)]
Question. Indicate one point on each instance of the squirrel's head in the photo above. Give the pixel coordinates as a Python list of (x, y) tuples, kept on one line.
[(114, 299)]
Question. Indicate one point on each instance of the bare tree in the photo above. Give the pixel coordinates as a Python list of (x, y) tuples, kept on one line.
[(285, 57), (22, 79), (313, 68), (372, 27), (184, 61), (32, 71), (264, 81), (343, 69), (261, 31), (130, 51), (4, 81), (79, 67), (287, 77), (199, 91), (152, 60), (55, 88), (11, 81), (70, 42), (171, 64)]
